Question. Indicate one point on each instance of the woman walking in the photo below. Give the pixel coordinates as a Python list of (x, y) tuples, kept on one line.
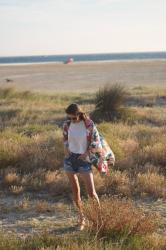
[(80, 137)]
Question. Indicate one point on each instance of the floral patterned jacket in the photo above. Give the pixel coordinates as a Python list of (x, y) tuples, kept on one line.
[(97, 145)]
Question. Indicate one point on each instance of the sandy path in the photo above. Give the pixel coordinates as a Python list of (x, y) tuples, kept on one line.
[(24, 221), (158, 207), (83, 76), (16, 218)]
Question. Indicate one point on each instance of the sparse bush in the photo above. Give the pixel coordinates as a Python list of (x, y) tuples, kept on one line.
[(118, 218)]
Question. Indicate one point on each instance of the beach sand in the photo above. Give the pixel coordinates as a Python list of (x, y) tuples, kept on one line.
[(85, 76)]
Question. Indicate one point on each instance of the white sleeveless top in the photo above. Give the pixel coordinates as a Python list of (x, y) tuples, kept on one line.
[(77, 137)]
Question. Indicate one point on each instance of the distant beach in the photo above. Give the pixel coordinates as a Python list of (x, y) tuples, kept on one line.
[(85, 57), (82, 76)]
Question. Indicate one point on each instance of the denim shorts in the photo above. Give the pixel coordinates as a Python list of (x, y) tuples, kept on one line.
[(74, 165)]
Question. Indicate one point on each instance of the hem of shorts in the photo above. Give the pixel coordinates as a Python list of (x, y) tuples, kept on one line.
[(79, 172)]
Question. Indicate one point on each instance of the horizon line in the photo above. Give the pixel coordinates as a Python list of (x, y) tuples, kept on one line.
[(93, 53)]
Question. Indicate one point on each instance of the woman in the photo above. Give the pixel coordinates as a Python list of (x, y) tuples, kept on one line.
[(81, 138), (76, 150)]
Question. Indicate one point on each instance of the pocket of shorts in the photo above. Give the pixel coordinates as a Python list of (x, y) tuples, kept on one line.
[(67, 158), (82, 160)]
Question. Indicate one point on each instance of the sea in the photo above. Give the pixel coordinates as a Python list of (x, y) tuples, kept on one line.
[(84, 57)]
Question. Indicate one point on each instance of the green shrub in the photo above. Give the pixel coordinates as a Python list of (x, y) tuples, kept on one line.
[(108, 103)]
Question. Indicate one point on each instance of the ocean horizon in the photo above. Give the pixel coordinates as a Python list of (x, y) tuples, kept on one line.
[(84, 57)]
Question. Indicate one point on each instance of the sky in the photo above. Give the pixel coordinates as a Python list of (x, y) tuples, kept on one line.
[(45, 27)]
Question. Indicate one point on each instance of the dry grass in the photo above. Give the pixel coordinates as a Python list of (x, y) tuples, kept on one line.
[(147, 181), (16, 189), (49, 242), (155, 153), (25, 153), (51, 177), (31, 142), (151, 183), (31, 160), (11, 178), (24, 204), (43, 206), (154, 242), (115, 183)]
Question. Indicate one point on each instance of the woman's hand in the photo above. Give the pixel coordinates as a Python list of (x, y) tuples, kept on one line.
[(67, 152), (83, 156)]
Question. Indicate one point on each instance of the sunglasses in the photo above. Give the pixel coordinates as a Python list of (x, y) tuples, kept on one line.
[(72, 118)]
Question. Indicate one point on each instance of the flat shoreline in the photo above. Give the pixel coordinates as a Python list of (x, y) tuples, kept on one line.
[(83, 62), (82, 76)]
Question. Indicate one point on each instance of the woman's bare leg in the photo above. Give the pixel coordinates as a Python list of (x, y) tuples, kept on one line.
[(76, 192), (89, 183)]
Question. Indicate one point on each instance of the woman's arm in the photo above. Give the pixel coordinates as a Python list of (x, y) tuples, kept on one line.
[(95, 142), (66, 151), (83, 156), (65, 140)]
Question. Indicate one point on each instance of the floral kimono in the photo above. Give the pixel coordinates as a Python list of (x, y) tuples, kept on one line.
[(100, 153)]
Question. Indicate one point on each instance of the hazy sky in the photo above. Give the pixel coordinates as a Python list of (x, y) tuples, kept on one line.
[(34, 27)]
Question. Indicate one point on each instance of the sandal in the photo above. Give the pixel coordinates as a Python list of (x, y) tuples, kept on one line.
[(81, 224)]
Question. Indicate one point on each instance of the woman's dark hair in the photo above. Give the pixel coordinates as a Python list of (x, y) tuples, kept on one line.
[(75, 109)]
